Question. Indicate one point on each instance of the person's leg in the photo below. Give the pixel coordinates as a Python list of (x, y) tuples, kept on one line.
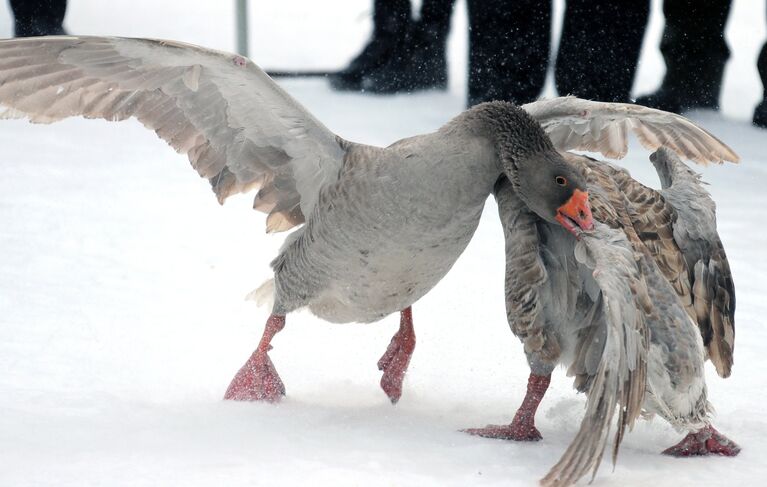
[(38, 17), (695, 53), (421, 63), (760, 114), (391, 23), (599, 48), (508, 49), (435, 15)]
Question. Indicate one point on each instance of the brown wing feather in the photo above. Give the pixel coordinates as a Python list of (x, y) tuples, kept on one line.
[(645, 216), (704, 282), (653, 220), (713, 290), (714, 296)]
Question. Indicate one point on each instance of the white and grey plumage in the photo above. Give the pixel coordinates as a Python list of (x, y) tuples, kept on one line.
[(606, 305), (381, 225), (580, 303)]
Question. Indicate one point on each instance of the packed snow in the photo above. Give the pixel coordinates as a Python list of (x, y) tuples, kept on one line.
[(122, 280)]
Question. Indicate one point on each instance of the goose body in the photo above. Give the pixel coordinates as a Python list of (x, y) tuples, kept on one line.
[(381, 226), (388, 231), (560, 307)]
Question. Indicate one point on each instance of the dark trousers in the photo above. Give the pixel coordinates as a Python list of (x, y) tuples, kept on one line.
[(435, 15), (508, 49), (390, 16), (761, 64), (599, 49), (395, 15), (509, 43), (694, 49), (38, 17)]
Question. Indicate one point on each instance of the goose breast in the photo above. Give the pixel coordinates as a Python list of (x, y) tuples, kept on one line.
[(388, 230)]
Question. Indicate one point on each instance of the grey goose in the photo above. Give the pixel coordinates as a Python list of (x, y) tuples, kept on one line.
[(632, 309), (378, 227)]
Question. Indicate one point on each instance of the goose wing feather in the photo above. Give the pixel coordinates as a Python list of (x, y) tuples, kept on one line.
[(651, 217), (576, 124), (677, 226), (613, 356), (238, 128), (694, 230)]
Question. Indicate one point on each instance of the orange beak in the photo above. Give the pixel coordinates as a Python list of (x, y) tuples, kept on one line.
[(575, 214)]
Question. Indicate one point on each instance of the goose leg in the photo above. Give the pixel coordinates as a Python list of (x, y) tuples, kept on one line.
[(257, 380), (707, 441), (522, 427), (394, 362)]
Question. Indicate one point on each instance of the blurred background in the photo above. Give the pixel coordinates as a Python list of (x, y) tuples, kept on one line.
[(310, 35)]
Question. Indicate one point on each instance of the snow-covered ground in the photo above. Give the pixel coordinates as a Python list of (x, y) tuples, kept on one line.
[(122, 316)]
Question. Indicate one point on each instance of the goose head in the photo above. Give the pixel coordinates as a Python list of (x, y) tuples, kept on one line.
[(554, 190), (550, 186)]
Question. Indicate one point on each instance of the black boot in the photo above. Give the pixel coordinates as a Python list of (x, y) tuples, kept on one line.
[(391, 23), (38, 17), (420, 63), (695, 52), (760, 114)]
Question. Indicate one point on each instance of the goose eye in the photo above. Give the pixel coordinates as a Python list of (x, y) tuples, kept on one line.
[(561, 180)]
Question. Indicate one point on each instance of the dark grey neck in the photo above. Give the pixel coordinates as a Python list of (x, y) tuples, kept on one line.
[(663, 169), (672, 171), (514, 133)]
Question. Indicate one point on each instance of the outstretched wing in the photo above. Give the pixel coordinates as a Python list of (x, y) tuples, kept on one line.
[(573, 123), (713, 290), (619, 376), (239, 129)]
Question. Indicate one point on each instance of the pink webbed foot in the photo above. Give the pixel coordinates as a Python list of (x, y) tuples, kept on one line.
[(516, 432), (522, 427), (707, 441), (258, 380), (395, 360)]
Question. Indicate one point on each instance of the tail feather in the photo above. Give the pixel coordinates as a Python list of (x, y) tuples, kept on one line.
[(263, 295)]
